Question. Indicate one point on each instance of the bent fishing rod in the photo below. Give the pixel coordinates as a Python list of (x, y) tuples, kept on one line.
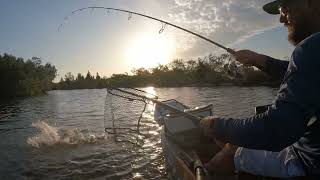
[(231, 51)]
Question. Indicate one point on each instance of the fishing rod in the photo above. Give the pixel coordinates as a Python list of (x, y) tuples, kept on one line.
[(231, 51)]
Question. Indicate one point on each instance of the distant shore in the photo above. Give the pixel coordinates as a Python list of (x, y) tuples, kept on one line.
[(240, 84), (23, 78), (208, 71)]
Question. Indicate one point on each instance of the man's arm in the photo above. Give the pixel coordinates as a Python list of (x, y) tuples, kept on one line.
[(285, 122), (273, 67)]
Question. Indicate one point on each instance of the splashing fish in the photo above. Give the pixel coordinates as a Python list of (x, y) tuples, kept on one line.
[(50, 136)]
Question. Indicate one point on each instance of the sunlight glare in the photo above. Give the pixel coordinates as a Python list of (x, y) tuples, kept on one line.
[(151, 93), (149, 51)]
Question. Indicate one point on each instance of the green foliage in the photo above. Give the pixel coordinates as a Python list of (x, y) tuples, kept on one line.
[(207, 71), (24, 78)]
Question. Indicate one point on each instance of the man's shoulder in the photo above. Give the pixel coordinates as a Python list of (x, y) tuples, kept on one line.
[(307, 53), (312, 41)]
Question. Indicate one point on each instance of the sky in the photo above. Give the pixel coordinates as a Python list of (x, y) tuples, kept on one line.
[(111, 42)]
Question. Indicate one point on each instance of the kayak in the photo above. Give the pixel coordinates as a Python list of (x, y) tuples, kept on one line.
[(185, 148)]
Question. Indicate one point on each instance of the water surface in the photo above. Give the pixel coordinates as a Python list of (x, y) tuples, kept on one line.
[(61, 135)]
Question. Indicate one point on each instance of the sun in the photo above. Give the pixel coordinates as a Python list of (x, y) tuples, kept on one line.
[(149, 51)]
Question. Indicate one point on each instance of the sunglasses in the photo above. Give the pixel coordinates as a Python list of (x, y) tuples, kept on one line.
[(284, 5)]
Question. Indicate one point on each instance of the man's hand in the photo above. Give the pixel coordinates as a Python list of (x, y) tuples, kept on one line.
[(222, 162), (250, 58), (206, 124)]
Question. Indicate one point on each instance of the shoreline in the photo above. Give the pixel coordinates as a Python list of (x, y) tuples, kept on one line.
[(271, 85)]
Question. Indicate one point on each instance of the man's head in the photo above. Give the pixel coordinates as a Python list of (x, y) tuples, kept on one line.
[(301, 17)]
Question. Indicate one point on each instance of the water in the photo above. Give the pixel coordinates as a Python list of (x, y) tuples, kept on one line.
[(61, 135)]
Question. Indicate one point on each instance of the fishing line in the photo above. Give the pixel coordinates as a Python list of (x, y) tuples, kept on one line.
[(130, 16), (163, 26), (164, 23)]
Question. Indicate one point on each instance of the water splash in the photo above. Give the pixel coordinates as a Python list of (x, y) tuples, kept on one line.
[(50, 136)]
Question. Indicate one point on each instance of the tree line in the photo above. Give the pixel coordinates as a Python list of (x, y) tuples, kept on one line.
[(88, 81), (207, 71), (30, 77), (20, 77)]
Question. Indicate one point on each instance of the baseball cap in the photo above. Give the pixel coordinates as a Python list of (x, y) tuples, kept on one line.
[(273, 7)]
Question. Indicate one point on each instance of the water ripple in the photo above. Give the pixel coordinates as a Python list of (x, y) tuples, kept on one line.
[(60, 135)]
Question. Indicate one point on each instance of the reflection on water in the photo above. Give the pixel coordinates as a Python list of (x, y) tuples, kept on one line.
[(61, 135)]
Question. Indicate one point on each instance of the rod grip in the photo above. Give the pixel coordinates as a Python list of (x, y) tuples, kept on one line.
[(200, 174), (199, 170)]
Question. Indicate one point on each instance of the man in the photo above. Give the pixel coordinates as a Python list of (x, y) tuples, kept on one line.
[(285, 140)]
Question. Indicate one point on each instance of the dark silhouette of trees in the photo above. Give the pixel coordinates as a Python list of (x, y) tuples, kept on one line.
[(98, 76), (30, 77), (24, 78), (89, 77), (80, 82), (208, 71), (79, 77)]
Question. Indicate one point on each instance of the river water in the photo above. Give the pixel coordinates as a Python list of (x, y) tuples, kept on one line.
[(61, 135)]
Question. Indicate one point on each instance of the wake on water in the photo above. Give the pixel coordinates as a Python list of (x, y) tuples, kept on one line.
[(50, 136)]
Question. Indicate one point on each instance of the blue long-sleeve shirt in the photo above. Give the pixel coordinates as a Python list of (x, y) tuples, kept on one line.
[(287, 122)]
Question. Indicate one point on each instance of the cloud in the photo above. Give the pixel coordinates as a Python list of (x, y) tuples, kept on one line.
[(226, 21)]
